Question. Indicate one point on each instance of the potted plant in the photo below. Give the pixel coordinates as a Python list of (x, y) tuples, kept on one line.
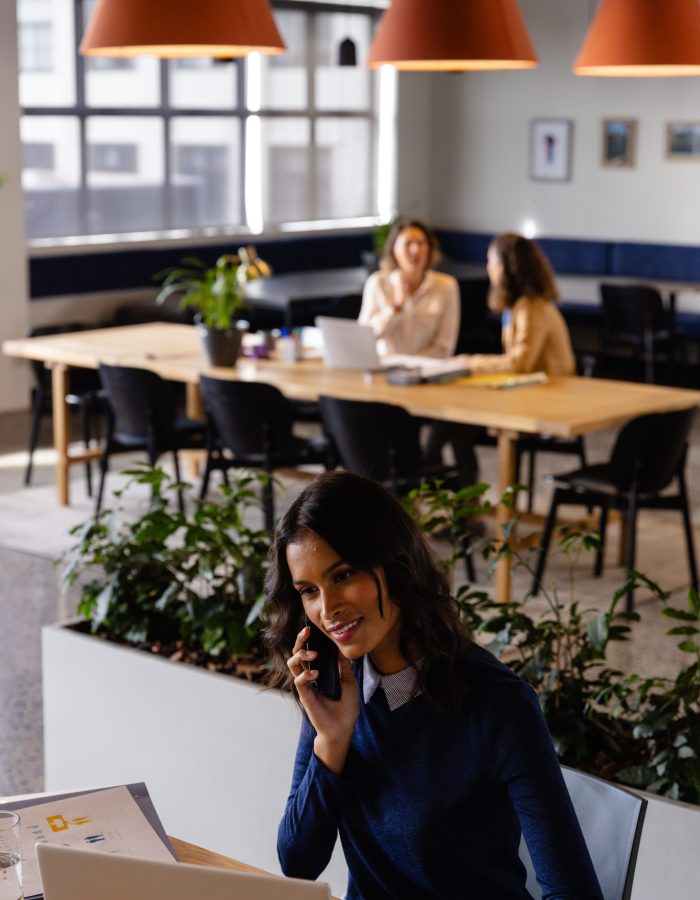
[(217, 295)]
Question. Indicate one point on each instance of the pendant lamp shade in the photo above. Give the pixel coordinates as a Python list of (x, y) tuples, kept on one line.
[(180, 28), (642, 38), (453, 35)]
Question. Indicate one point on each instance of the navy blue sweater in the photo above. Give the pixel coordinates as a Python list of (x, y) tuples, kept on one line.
[(431, 805)]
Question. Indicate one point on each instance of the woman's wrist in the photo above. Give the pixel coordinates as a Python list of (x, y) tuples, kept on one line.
[(332, 753)]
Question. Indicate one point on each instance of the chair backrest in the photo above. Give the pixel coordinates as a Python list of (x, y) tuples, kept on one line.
[(476, 331), (248, 417), (652, 449), (141, 402), (79, 380), (631, 310), (346, 307), (611, 819), (378, 440)]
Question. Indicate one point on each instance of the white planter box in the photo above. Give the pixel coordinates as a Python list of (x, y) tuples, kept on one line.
[(217, 756), (215, 752)]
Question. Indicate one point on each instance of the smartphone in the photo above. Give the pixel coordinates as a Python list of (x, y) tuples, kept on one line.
[(328, 681)]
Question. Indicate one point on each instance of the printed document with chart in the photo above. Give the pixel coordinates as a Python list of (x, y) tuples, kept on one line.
[(106, 820)]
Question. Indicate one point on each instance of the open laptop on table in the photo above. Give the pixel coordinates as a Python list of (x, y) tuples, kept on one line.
[(349, 345), (70, 874)]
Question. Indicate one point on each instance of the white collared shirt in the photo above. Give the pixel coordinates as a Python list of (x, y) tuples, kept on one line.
[(399, 688), (426, 325)]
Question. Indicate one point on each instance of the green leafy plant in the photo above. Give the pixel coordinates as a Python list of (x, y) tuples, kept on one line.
[(214, 292), (169, 577), (641, 731)]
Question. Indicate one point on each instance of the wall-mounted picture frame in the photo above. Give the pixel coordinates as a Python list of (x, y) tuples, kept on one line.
[(550, 149), (683, 140), (619, 144)]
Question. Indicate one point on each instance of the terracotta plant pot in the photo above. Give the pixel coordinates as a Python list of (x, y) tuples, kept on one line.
[(221, 346)]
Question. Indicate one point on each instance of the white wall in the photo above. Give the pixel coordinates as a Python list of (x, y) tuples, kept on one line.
[(479, 127), (13, 261)]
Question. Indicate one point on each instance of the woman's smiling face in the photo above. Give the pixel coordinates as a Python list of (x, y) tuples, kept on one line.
[(343, 602)]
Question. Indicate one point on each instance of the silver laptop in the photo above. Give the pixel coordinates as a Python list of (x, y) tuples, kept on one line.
[(348, 345), (70, 874)]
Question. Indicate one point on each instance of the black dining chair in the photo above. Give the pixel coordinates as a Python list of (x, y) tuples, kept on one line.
[(634, 317), (252, 427), (648, 456), (382, 442), (143, 415), (84, 398), (529, 445)]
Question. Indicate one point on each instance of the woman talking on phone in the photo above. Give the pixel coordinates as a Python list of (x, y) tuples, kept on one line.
[(435, 757), (411, 308)]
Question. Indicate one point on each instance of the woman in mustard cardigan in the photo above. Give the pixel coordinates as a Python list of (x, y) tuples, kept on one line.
[(534, 334)]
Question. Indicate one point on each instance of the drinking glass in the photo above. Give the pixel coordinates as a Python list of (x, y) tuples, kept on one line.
[(10, 857)]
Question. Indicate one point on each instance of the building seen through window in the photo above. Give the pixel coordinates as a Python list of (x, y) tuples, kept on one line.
[(124, 145)]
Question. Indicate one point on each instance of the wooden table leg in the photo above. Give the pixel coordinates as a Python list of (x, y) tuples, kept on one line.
[(194, 409), (61, 430), (506, 478)]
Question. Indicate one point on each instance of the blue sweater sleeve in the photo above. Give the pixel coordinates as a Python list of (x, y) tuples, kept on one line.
[(309, 827), (525, 762)]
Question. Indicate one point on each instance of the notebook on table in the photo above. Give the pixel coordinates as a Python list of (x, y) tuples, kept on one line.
[(70, 874)]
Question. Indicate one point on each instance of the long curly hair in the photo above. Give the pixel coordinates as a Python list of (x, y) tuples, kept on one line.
[(526, 271), (369, 529)]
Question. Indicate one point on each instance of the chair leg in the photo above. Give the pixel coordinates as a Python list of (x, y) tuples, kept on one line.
[(85, 428), (688, 529), (469, 567), (631, 542), (37, 403), (531, 479), (104, 466), (269, 504), (603, 527), (180, 497), (544, 546), (207, 474)]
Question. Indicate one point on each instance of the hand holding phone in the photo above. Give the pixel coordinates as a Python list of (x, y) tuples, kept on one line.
[(328, 681)]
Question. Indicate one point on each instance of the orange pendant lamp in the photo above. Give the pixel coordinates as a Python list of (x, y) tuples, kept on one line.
[(642, 38), (180, 28), (453, 35)]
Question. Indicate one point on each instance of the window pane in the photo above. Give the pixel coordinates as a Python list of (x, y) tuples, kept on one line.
[(115, 82), (46, 39), (125, 174), (343, 171), (203, 84), (51, 176), (286, 170), (206, 177), (284, 77), (342, 87)]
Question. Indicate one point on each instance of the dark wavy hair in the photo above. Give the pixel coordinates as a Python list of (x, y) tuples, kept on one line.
[(369, 529), (526, 271), (388, 261)]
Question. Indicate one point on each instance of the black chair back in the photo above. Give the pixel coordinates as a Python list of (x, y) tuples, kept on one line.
[(79, 380), (478, 332), (249, 418), (141, 404), (652, 448), (378, 440), (631, 310)]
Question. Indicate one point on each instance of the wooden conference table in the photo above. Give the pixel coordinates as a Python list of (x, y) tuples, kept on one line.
[(565, 407)]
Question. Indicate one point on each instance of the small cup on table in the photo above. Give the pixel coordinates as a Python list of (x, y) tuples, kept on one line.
[(10, 857)]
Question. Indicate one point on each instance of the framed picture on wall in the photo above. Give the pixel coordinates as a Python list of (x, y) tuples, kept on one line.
[(683, 140), (619, 143), (550, 149)]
